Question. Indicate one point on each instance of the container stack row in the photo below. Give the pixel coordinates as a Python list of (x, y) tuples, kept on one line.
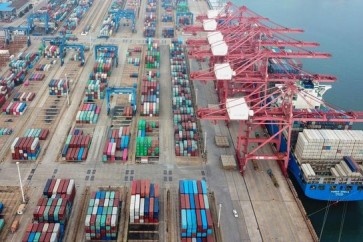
[(184, 119), (8, 80), (25, 148), (134, 6), (167, 19), (24, 96), (16, 73), (144, 204), (51, 51), (150, 20), (323, 144), (75, 17), (43, 67), (59, 87), (15, 108), (52, 212), (117, 144), (76, 146), (2, 221), (88, 113), (147, 141), (104, 63), (5, 131), (108, 26), (281, 66), (36, 77), (183, 14), (150, 91), (95, 89), (195, 215), (42, 134), (150, 86), (102, 217), (152, 56), (4, 91)]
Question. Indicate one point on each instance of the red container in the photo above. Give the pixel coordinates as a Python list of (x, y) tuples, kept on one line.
[(182, 201), (196, 201)]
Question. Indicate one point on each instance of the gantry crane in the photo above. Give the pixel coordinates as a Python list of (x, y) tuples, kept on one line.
[(243, 65), (11, 31)]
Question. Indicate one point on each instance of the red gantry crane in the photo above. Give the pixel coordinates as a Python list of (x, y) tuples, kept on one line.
[(255, 82)]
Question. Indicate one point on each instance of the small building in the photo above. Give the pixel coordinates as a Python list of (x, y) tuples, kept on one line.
[(12, 9), (6, 11)]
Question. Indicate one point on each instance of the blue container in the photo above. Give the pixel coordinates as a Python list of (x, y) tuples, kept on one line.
[(204, 186), (181, 187), (146, 206), (152, 190), (156, 208), (352, 165), (186, 187)]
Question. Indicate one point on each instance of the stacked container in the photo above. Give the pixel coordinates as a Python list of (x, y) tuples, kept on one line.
[(146, 144), (25, 148), (150, 20), (99, 76), (36, 77), (313, 144), (43, 67), (103, 65), (133, 5), (150, 89), (75, 17), (24, 96), (185, 123), (117, 140), (42, 134), (195, 215), (15, 108), (152, 57), (168, 32), (76, 146), (52, 212), (109, 25), (144, 204), (88, 113), (95, 89), (3, 95), (102, 216), (5, 131), (42, 232), (59, 87), (51, 51)]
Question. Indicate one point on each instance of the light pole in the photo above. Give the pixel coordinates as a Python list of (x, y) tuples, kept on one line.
[(205, 142), (21, 184), (67, 89), (196, 96), (219, 214)]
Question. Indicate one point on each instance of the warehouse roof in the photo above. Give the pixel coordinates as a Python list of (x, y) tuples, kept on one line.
[(5, 7)]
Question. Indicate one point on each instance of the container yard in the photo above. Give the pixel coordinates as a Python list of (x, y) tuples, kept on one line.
[(127, 125)]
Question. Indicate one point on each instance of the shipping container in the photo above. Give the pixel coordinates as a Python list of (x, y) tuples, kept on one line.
[(102, 217), (195, 216), (185, 124), (144, 205)]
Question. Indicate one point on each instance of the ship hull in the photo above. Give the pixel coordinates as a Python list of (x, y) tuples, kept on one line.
[(325, 192)]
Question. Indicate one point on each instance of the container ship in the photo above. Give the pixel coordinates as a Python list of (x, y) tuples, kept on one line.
[(326, 157)]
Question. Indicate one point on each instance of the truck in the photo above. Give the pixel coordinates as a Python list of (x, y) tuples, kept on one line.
[(14, 226), (21, 209), (273, 178)]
